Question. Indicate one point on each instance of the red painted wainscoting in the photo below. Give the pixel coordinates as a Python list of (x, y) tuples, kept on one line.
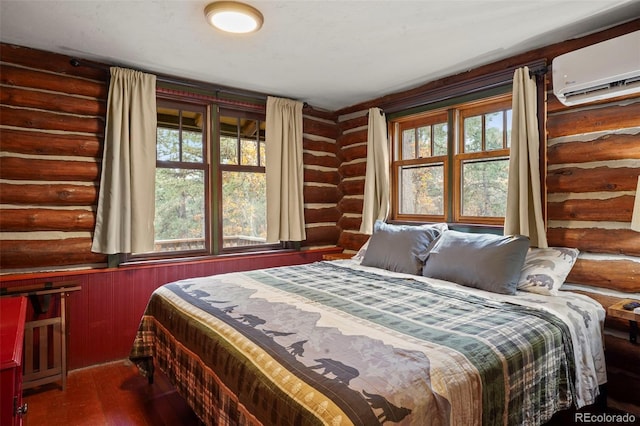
[(104, 315)]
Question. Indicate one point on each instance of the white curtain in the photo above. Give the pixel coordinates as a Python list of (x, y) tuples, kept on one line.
[(524, 201), (376, 183), (126, 204), (284, 170)]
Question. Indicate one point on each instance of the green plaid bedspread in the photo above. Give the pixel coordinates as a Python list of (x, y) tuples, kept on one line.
[(326, 344)]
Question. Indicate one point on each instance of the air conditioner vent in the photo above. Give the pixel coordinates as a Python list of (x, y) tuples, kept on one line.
[(600, 71)]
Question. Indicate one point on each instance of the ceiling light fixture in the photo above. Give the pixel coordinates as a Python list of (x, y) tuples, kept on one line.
[(233, 17)]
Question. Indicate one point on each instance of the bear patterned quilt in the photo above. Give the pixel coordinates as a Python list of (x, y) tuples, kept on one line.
[(338, 344)]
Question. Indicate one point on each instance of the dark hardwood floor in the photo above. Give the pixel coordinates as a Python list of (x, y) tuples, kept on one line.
[(116, 395), (112, 394)]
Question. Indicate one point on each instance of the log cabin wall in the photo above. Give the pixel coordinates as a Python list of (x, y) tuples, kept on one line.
[(593, 163), (52, 123), (52, 117), (353, 153), (321, 178)]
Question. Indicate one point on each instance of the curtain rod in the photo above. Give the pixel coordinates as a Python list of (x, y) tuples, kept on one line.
[(538, 72), (75, 62)]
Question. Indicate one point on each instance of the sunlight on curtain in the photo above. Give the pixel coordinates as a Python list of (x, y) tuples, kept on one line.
[(524, 201), (376, 183), (284, 170), (124, 219)]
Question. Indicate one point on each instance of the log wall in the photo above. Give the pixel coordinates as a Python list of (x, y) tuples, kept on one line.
[(321, 178), (52, 117), (51, 128), (353, 153)]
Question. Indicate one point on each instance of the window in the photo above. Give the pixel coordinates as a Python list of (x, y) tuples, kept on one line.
[(451, 164), (242, 168), (182, 174), (210, 180)]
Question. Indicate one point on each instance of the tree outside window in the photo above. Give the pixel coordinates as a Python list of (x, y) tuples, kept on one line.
[(210, 180), (451, 164)]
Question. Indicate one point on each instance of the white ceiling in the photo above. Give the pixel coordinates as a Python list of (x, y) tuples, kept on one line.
[(331, 54)]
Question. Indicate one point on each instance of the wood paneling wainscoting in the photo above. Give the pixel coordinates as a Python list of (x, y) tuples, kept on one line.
[(104, 315)]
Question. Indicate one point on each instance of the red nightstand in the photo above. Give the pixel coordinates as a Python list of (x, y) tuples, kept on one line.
[(13, 312)]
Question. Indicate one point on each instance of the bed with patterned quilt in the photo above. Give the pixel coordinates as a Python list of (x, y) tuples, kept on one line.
[(341, 343)]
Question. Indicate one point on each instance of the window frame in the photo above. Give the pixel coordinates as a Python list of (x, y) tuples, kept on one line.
[(400, 125), (213, 179), (481, 107), (455, 110), (260, 168)]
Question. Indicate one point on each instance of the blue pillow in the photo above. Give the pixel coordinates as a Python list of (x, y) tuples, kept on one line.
[(485, 261), (400, 248)]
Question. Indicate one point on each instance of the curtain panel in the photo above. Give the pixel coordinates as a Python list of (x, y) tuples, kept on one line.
[(126, 203), (284, 170), (524, 201), (376, 183)]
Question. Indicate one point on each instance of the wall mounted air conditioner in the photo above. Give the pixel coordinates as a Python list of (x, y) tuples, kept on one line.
[(600, 71)]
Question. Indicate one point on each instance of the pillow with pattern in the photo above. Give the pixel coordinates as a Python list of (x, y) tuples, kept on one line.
[(546, 269)]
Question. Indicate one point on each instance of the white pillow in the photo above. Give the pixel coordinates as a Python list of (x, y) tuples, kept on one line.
[(546, 269)]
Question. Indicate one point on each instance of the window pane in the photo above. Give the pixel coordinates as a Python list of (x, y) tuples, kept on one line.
[(508, 128), (424, 141), (228, 150), (192, 147), (422, 190), (168, 144), (244, 209), (473, 134), (249, 152), (180, 212), (484, 188), (493, 133), (440, 138), (263, 154), (408, 144)]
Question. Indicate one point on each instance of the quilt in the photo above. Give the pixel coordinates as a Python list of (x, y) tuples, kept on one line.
[(339, 344)]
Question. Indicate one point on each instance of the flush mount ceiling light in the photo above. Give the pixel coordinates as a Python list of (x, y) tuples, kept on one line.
[(233, 17)]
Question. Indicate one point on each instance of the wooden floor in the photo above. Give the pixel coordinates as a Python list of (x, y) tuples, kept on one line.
[(113, 394), (116, 395)]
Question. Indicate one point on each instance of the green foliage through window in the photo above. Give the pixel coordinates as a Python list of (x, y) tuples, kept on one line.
[(452, 164)]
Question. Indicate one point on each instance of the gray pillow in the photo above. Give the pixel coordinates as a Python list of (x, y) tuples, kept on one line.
[(485, 261), (400, 248)]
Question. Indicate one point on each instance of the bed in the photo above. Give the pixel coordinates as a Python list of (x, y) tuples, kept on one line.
[(342, 342)]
